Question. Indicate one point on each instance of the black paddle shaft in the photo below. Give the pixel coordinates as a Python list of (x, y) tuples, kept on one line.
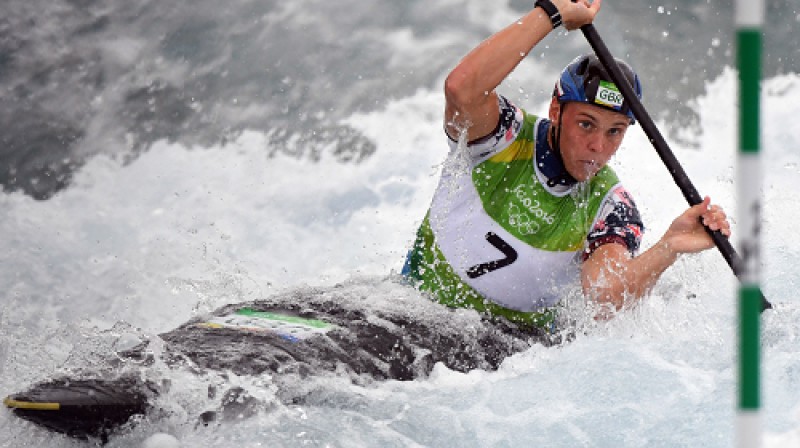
[(662, 148)]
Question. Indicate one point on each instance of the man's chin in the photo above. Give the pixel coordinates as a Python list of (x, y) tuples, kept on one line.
[(585, 175)]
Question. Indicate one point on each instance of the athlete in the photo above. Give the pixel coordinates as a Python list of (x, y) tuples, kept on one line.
[(539, 209)]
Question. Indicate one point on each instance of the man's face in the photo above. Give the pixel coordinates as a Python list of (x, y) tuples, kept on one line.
[(590, 136)]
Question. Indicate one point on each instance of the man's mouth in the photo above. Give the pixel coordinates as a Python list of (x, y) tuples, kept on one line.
[(590, 165)]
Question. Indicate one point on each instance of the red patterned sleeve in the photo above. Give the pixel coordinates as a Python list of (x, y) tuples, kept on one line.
[(618, 222)]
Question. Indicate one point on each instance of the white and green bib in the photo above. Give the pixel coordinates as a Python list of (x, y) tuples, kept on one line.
[(498, 238)]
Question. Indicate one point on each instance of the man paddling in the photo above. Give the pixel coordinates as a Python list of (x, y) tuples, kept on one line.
[(539, 208)]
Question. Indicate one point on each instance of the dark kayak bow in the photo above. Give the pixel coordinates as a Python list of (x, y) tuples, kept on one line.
[(290, 339)]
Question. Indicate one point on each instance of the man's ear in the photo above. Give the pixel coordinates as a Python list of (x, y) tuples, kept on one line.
[(555, 108)]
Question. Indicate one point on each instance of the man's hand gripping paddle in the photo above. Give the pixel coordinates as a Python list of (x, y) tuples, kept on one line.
[(662, 148)]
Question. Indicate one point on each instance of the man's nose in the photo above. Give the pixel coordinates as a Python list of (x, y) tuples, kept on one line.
[(596, 142)]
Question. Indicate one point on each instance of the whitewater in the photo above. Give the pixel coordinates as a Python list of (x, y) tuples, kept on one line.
[(217, 164), (138, 248)]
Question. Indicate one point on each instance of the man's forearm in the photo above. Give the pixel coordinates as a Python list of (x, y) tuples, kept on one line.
[(486, 66), (610, 275)]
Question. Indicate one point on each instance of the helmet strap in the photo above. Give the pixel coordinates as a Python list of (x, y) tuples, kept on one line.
[(557, 131), (555, 137)]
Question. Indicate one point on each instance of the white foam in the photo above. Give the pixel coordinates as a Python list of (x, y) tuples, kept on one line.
[(161, 440), (182, 230)]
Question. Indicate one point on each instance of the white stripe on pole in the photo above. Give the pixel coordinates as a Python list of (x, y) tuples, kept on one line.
[(749, 13), (748, 429), (748, 183)]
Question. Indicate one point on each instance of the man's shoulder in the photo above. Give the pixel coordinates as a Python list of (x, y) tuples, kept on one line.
[(520, 113), (522, 124)]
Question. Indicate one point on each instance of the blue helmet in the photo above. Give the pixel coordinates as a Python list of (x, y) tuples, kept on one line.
[(585, 80)]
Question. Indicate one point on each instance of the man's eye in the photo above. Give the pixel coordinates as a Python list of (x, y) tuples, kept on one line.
[(585, 125)]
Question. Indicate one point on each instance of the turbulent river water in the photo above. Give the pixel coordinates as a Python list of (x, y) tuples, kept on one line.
[(162, 159)]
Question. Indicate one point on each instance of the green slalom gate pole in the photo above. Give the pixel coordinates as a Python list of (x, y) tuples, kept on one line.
[(749, 22)]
